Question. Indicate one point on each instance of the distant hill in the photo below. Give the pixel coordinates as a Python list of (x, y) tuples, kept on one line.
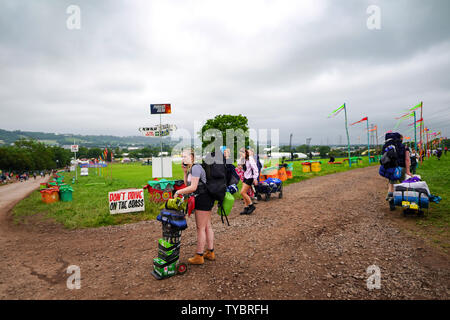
[(8, 137)]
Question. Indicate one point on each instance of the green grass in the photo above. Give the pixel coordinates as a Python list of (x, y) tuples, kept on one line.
[(437, 175), (89, 207)]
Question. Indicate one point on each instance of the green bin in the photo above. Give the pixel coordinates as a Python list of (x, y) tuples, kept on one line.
[(65, 193)]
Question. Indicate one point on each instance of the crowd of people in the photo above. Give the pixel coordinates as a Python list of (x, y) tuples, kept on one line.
[(248, 171), (195, 178), (10, 176)]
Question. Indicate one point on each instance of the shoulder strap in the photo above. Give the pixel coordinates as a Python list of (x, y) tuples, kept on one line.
[(222, 213), (207, 169)]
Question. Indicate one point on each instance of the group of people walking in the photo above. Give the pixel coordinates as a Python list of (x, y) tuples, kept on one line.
[(10, 176)]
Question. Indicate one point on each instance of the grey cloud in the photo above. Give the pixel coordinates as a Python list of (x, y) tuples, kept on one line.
[(102, 78)]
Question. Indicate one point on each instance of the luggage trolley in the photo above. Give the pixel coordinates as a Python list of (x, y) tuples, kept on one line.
[(268, 187), (412, 200), (173, 223)]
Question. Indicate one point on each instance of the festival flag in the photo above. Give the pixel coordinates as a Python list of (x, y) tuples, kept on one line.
[(416, 107), (363, 119), (373, 129), (368, 137), (406, 115), (336, 112), (420, 120)]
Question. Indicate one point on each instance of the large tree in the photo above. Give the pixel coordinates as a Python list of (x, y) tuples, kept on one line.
[(223, 123)]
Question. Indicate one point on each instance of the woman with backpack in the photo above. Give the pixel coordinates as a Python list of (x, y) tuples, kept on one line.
[(195, 180), (251, 173)]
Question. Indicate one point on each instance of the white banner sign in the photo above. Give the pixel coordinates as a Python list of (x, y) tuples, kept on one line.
[(129, 200), (154, 131), (74, 148), (166, 167), (84, 171)]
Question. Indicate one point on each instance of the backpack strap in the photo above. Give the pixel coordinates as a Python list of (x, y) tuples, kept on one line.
[(222, 213), (201, 187)]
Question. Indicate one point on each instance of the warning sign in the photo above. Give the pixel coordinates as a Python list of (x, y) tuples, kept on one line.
[(124, 201)]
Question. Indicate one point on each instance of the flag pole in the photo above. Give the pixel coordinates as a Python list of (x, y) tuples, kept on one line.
[(376, 134), (368, 139), (421, 131), (348, 138), (415, 133)]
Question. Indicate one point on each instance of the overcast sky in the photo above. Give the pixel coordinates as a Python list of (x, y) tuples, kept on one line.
[(284, 64)]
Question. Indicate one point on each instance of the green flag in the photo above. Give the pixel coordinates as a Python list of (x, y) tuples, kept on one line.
[(336, 112)]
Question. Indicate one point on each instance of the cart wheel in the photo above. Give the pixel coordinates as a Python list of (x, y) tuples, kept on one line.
[(258, 197), (391, 205), (280, 195), (267, 197), (182, 268)]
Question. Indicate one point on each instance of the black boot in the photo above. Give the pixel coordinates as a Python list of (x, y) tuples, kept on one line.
[(245, 211), (251, 208)]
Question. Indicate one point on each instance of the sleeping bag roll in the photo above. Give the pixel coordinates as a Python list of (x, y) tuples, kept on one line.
[(411, 196)]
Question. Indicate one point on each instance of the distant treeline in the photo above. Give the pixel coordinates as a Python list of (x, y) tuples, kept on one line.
[(30, 155), (9, 137)]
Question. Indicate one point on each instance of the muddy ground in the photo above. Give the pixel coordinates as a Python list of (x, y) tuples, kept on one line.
[(315, 243)]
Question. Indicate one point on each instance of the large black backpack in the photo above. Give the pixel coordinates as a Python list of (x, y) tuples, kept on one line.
[(216, 180), (393, 151)]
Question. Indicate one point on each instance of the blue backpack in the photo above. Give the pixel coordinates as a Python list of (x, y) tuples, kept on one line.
[(394, 173)]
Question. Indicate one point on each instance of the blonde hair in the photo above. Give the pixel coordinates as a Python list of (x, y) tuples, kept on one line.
[(192, 154)]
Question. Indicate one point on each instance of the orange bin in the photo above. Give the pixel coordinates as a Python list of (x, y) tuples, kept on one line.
[(50, 195), (271, 172), (282, 174)]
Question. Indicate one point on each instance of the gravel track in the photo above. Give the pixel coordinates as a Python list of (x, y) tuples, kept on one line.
[(315, 243)]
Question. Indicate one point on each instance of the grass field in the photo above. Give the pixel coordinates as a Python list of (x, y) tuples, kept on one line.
[(89, 207), (434, 225)]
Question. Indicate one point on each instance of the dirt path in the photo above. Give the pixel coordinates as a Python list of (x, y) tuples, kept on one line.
[(315, 243), (12, 193)]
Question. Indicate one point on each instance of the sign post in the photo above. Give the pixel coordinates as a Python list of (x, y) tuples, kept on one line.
[(74, 148), (161, 109)]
